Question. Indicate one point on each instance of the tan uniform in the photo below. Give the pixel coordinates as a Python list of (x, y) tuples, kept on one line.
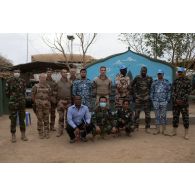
[(64, 101), (102, 87), (53, 86), (122, 89), (42, 94)]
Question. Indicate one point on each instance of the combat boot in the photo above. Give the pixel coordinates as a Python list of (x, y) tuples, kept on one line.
[(13, 140), (60, 132), (174, 131), (157, 130), (186, 136), (52, 128), (147, 129), (23, 136), (47, 135), (41, 136), (163, 129)]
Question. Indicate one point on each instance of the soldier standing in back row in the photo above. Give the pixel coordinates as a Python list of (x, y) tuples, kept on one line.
[(15, 90), (53, 86), (141, 91), (181, 89), (102, 85), (122, 87), (83, 88), (64, 100), (41, 94)]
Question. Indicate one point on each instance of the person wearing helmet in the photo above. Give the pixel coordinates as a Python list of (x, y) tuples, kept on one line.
[(122, 82), (181, 89), (160, 96)]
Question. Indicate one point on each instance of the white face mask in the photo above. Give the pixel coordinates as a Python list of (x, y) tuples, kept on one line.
[(16, 74)]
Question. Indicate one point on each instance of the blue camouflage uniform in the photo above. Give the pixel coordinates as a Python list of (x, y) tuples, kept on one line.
[(160, 96), (83, 88)]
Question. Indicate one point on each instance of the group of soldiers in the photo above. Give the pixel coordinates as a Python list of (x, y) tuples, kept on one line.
[(72, 98)]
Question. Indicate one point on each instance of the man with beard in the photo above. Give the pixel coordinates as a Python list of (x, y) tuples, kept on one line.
[(122, 82), (83, 87), (141, 91)]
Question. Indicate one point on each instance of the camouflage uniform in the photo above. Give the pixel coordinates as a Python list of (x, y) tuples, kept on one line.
[(181, 89), (83, 88), (124, 119), (160, 96), (42, 94), (103, 119), (122, 90), (64, 101), (15, 90), (141, 92), (53, 86)]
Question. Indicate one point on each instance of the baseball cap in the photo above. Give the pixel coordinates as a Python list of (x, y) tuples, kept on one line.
[(180, 69), (122, 67), (160, 71)]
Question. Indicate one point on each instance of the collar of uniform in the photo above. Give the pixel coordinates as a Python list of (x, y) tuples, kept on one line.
[(104, 78), (73, 106)]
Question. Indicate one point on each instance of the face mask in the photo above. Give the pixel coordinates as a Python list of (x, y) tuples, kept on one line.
[(102, 104), (16, 74)]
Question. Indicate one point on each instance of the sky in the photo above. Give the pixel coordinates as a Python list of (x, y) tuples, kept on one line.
[(14, 46)]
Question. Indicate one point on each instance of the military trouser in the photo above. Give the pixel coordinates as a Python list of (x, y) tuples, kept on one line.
[(127, 126), (160, 109), (62, 111), (84, 131), (42, 111), (146, 105), (52, 115), (105, 129), (184, 109), (14, 109)]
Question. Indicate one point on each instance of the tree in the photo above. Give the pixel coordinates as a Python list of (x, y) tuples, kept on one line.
[(61, 44), (4, 62), (149, 44), (86, 40), (174, 47), (135, 41)]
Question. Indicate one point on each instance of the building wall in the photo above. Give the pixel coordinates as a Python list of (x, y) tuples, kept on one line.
[(134, 62)]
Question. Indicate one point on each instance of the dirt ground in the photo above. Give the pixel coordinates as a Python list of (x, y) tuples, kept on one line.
[(141, 147)]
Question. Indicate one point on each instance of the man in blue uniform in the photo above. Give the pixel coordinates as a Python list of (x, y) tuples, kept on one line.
[(160, 96)]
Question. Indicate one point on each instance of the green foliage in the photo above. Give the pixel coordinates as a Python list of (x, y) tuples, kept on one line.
[(174, 47)]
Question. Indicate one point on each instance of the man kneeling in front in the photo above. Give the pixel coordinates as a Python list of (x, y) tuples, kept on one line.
[(78, 121)]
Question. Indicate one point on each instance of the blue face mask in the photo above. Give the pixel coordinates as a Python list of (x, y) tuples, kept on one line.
[(103, 104)]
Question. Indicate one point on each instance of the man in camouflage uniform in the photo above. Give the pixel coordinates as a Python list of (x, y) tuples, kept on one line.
[(124, 119), (73, 76), (15, 90), (122, 82), (63, 99), (181, 89), (83, 88), (53, 86), (102, 118), (141, 91), (41, 94), (160, 95)]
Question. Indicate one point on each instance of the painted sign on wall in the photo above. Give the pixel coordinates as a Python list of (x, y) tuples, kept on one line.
[(133, 62)]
